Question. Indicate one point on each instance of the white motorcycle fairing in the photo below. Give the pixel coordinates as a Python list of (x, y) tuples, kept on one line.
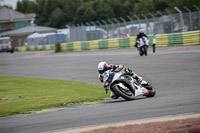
[(126, 86), (141, 43), (141, 91)]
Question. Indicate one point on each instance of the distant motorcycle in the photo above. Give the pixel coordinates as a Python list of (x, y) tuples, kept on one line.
[(125, 86), (143, 46)]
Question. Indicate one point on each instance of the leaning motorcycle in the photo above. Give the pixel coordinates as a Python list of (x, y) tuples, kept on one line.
[(125, 86), (143, 46)]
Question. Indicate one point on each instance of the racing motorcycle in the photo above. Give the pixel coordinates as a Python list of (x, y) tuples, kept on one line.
[(125, 86), (143, 46)]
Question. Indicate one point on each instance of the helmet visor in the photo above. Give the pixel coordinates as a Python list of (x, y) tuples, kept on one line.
[(101, 71)]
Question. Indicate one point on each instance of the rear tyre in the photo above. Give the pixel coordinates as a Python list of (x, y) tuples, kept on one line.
[(124, 93), (150, 89)]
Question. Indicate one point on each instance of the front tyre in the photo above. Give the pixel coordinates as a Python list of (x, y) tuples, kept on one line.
[(145, 51), (123, 90), (140, 51)]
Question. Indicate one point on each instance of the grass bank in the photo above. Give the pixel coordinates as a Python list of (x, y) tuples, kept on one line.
[(19, 95)]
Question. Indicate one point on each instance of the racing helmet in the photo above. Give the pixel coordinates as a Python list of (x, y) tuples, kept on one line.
[(141, 31), (102, 67)]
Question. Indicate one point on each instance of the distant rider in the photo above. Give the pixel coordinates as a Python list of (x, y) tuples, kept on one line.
[(140, 35), (103, 66)]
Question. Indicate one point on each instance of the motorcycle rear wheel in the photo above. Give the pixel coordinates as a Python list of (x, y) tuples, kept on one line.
[(150, 89)]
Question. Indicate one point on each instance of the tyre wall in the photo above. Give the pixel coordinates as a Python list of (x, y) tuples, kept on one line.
[(162, 40)]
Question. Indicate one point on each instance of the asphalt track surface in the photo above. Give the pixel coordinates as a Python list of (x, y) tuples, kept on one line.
[(174, 72)]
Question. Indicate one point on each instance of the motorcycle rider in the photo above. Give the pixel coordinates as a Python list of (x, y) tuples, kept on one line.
[(140, 35), (104, 66)]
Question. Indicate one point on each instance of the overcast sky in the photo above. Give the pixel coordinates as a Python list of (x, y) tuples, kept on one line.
[(9, 3)]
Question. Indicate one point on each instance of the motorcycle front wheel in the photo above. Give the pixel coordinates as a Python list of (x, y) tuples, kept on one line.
[(124, 92), (140, 51), (145, 51)]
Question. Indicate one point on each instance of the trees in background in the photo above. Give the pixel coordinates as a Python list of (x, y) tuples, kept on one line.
[(26, 6), (59, 13)]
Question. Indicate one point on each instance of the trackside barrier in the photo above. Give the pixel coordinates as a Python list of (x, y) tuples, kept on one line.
[(162, 40), (191, 38), (175, 39), (35, 48)]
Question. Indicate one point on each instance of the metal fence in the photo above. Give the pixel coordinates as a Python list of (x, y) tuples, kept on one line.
[(119, 28)]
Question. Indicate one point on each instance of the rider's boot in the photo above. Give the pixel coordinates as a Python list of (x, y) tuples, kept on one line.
[(113, 95), (138, 79), (134, 75)]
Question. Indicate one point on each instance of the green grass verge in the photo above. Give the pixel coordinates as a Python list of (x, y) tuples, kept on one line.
[(19, 95), (100, 129)]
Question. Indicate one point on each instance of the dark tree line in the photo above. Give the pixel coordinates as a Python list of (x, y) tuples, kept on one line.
[(59, 13)]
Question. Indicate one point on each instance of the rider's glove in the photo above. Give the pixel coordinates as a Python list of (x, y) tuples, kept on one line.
[(101, 78), (106, 86)]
